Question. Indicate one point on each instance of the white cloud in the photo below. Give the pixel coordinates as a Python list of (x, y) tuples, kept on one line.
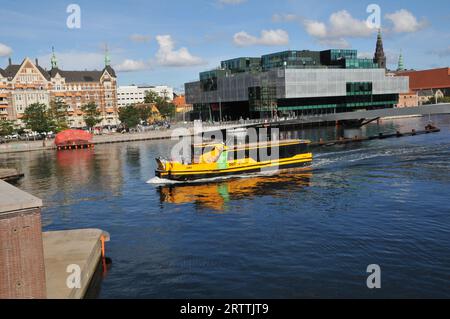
[(140, 38), (404, 21), (316, 29), (267, 37), (231, 1), (5, 50), (168, 56), (129, 65), (340, 25)]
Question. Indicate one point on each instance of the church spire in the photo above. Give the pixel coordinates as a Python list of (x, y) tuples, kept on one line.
[(380, 57), (107, 58), (53, 60), (401, 64)]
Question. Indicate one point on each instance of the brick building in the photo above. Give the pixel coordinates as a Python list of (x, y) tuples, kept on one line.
[(433, 79), (24, 84)]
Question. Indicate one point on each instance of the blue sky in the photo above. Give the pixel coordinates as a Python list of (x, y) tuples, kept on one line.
[(169, 42)]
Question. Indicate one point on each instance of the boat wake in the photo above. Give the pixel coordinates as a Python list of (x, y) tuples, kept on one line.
[(163, 181)]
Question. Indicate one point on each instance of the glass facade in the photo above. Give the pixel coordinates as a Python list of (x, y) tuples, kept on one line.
[(209, 79), (242, 65), (359, 88), (360, 64), (262, 99), (339, 103), (291, 59), (343, 54), (335, 80)]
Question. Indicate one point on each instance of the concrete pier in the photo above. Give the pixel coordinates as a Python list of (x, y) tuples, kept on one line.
[(39, 265), (62, 249)]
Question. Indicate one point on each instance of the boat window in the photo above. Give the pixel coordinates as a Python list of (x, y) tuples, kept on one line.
[(287, 151)]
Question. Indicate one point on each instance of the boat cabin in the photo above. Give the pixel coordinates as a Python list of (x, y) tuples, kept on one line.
[(213, 152)]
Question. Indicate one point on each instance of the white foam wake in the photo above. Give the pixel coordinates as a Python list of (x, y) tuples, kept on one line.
[(163, 181)]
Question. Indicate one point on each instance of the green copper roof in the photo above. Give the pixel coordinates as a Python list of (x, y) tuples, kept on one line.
[(401, 64), (107, 58), (53, 60)]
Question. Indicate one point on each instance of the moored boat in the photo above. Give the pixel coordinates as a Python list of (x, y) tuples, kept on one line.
[(210, 160)]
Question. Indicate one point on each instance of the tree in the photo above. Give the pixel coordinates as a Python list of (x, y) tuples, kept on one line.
[(152, 98), (38, 119), (92, 115), (58, 113), (145, 112), (6, 127), (165, 108), (130, 116)]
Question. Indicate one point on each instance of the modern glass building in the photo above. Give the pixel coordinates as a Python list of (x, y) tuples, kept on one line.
[(293, 82)]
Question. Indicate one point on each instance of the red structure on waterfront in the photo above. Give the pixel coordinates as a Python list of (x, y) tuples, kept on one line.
[(73, 139)]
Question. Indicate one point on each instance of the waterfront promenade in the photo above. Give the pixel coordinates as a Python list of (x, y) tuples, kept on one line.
[(25, 146)]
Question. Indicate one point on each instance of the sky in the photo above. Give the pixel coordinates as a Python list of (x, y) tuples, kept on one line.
[(169, 42)]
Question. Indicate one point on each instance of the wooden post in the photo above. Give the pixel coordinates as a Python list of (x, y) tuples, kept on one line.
[(22, 273)]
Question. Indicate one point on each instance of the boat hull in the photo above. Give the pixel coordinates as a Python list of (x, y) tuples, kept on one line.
[(236, 171)]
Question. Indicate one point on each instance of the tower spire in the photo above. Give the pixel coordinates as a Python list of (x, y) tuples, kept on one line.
[(53, 60), (379, 57), (107, 58), (401, 64)]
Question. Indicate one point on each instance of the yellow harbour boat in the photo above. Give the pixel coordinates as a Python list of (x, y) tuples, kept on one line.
[(211, 160)]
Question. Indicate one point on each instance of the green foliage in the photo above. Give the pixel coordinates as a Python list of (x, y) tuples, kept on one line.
[(445, 99), (145, 112), (165, 108), (38, 119), (152, 98), (130, 116), (6, 127), (58, 113), (92, 115)]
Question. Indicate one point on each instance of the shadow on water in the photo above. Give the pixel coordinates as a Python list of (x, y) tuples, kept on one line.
[(101, 272)]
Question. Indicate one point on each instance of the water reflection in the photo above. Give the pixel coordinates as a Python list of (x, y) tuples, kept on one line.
[(77, 164), (216, 195)]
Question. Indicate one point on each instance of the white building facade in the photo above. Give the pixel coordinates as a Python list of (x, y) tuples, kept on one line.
[(134, 94)]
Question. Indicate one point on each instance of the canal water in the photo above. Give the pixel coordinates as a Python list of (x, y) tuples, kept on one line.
[(383, 202)]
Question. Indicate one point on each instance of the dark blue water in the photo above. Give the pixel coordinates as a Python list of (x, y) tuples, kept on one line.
[(383, 202)]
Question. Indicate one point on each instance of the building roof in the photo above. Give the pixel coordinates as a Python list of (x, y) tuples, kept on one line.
[(428, 79), (110, 71), (81, 76), (70, 76), (12, 69), (179, 101)]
